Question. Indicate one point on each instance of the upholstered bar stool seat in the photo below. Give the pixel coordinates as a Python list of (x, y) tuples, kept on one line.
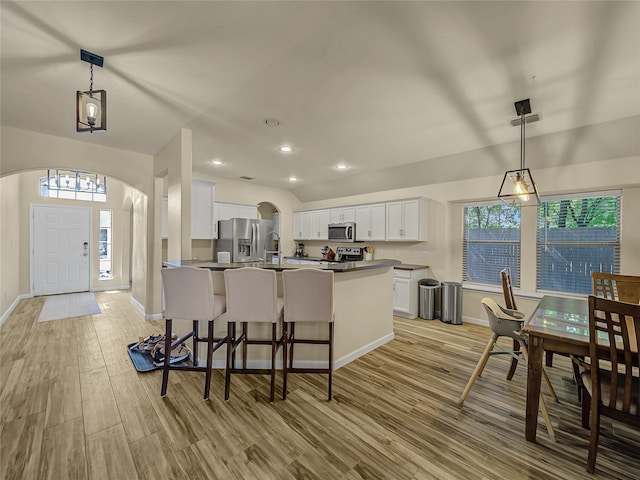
[(188, 295), (252, 298), (308, 298)]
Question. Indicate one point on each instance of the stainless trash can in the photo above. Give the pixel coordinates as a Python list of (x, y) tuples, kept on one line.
[(451, 303), (429, 298)]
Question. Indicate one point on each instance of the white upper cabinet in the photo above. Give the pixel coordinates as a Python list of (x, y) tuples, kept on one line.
[(370, 222), (202, 198), (227, 211), (343, 214), (301, 225), (407, 220), (319, 224)]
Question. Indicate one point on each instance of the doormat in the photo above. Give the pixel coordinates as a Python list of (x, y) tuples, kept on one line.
[(70, 305), (144, 361)]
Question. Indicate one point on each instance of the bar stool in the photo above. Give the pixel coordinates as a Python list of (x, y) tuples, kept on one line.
[(188, 295), (252, 297), (308, 297)]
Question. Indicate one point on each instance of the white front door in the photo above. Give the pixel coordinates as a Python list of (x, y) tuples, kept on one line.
[(61, 247)]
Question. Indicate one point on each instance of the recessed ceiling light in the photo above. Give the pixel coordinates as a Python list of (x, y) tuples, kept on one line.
[(286, 148), (293, 179), (216, 162), (272, 122), (342, 166)]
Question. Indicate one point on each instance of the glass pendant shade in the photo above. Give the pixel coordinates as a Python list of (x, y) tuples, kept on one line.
[(518, 188), (91, 111)]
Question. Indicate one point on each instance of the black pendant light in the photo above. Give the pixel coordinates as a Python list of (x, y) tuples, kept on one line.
[(91, 106), (518, 187)]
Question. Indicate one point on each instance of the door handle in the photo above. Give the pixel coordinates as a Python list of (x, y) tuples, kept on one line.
[(86, 248)]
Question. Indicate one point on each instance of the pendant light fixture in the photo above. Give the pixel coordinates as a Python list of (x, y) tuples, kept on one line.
[(518, 187), (91, 106)]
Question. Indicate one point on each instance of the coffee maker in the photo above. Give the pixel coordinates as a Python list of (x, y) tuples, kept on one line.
[(299, 251)]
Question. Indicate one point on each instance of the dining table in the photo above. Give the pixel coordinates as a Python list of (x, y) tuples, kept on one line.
[(558, 324)]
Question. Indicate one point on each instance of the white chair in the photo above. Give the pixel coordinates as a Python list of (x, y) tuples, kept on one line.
[(188, 295), (506, 323), (308, 298), (252, 297)]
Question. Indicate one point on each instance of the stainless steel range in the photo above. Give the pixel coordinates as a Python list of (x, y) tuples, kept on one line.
[(349, 254)]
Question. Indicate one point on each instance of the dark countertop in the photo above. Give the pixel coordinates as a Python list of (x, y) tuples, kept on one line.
[(340, 267), (409, 266)]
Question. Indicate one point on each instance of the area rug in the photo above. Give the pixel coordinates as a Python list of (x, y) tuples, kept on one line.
[(67, 306)]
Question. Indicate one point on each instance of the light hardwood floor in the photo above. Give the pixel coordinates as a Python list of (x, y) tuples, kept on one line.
[(73, 407)]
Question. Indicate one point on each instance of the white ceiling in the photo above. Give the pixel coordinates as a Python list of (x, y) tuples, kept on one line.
[(376, 85)]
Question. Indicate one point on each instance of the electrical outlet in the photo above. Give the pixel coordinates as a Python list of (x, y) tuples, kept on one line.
[(425, 254), (417, 254)]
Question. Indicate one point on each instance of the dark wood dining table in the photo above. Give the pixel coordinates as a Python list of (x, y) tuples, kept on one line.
[(558, 324)]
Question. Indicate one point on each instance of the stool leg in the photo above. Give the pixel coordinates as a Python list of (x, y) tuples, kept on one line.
[(285, 347), (330, 357), (207, 380), (479, 368), (273, 363), (514, 361), (167, 355), (230, 358), (196, 332)]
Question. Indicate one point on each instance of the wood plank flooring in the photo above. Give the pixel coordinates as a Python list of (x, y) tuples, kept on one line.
[(72, 406)]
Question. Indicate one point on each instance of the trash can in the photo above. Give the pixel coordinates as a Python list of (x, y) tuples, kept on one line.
[(429, 298), (451, 303)]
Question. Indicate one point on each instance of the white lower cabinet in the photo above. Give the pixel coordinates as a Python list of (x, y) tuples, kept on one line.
[(405, 291)]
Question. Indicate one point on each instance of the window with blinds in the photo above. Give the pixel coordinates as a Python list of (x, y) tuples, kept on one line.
[(577, 235), (491, 243)]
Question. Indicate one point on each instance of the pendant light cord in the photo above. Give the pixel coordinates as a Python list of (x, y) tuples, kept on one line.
[(91, 81), (522, 151)]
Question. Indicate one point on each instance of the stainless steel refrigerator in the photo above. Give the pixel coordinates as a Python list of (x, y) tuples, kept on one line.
[(244, 239)]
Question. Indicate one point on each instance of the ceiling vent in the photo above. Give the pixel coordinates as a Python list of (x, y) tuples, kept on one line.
[(246, 178)]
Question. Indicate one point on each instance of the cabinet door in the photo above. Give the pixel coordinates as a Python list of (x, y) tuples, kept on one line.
[(411, 220), (377, 222), (402, 295), (363, 220), (226, 211), (349, 214), (335, 215), (306, 226), (201, 209), (247, 211), (394, 221), (324, 217), (297, 226)]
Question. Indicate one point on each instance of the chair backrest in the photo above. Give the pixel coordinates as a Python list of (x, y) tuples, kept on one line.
[(614, 336), (252, 295), (308, 295), (507, 289), (188, 294), (503, 322), (624, 288)]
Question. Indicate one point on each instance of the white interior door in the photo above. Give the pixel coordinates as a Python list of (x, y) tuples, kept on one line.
[(61, 247)]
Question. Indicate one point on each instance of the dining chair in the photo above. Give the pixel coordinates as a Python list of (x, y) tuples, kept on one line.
[(612, 385), (506, 323), (188, 295), (624, 288), (252, 298), (308, 299)]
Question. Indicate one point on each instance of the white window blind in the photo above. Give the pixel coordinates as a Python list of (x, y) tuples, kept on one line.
[(577, 235), (491, 242)]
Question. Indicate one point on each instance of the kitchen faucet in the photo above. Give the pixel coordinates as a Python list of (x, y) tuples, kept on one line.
[(275, 235)]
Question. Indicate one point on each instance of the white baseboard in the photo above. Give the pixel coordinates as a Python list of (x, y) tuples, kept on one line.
[(221, 364), (13, 306), (475, 321), (111, 287)]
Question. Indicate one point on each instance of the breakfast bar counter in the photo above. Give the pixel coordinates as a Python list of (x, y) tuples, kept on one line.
[(363, 310)]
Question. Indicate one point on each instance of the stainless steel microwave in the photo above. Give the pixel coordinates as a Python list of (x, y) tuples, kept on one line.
[(342, 232)]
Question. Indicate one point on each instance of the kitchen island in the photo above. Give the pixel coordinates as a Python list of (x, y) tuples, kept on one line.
[(363, 307)]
